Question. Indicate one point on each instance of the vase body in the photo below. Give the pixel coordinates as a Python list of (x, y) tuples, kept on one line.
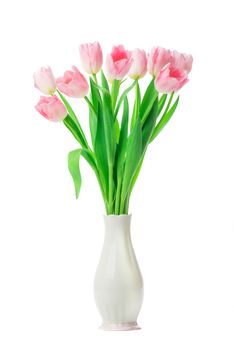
[(118, 284)]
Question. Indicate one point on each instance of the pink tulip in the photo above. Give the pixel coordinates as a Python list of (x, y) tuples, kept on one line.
[(157, 59), (73, 83), (118, 63), (182, 61), (44, 81), (51, 108), (170, 79), (91, 57), (139, 66)]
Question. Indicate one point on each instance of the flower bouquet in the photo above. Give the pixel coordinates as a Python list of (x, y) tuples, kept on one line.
[(119, 139)]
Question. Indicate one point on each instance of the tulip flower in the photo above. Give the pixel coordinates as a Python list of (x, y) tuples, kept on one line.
[(73, 83), (44, 81), (118, 63), (182, 61), (139, 66), (157, 59), (91, 57), (170, 79), (51, 108)]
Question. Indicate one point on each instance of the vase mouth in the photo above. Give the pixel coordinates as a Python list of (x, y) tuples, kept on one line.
[(117, 215)]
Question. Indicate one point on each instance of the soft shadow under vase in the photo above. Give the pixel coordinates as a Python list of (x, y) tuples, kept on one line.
[(118, 284)]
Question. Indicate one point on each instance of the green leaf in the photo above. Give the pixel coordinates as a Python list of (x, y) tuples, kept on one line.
[(99, 87), (109, 122), (123, 138), (149, 125), (122, 97), (90, 105), (73, 165), (133, 156), (147, 131), (106, 93), (68, 107), (114, 92), (95, 98), (95, 94), (147, 101), (120, 153), (75, 130), (133, 181), (100, 149), (137, 104), (164, 120), (72, 123), (74, 168), (90, 158), (123, 81), (110, 137), (161, 103), (102, 88), (117, 130), (137, 172), (105, 85)]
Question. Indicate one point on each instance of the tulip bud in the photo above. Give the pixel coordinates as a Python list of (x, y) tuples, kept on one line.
[(73, 83), (91, 57), (51, 108), (182, 61), (139, 66), (44, 81), (118, 63), (157, 59), (170, 79)]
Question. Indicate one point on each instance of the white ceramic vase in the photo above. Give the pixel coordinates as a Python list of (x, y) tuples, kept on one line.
[(118, 285)]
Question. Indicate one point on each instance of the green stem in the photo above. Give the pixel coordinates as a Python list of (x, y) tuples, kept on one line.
[(101, 186), (118, 196), (95, 169), (114, 92), (102, 190), (110, 199), (126, 205), (121, 210), (168, 105), (90, 105), (136, 105), (95, 78)]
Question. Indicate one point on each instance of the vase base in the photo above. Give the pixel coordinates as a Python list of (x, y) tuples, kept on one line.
[(130, 326)]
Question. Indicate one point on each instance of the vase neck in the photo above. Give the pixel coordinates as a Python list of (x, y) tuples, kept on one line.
[(117, 225)]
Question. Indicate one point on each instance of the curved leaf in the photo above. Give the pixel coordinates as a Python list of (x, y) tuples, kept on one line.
[(122, 97), (95, 98), (76, 131), (133, 156), (149, 125), (72, 122), (147, 101), (109, 123), (161, 103), (123, 138), (114, 92), (100, 150), (74, 168), (164, 120), (121, 152), (137, 104)]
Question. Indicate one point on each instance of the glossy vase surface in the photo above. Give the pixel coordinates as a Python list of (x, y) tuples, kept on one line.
[(118, 284)]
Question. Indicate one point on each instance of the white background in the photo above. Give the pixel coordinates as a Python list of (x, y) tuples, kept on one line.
[(183, 209)]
